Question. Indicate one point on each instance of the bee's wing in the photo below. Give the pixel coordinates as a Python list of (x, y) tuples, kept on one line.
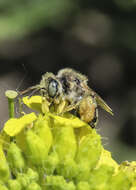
[(101, 102)]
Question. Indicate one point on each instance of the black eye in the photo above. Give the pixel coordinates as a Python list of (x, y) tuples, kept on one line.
[(77, 81), (53, 88), (65, 84)]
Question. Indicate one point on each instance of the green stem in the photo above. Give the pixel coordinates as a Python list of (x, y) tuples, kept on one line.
[(11, 108), (11, 95)]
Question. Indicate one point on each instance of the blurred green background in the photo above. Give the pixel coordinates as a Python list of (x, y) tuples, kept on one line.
[(97, 38)]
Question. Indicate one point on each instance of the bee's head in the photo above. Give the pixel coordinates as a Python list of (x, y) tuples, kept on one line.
[(50, 86)]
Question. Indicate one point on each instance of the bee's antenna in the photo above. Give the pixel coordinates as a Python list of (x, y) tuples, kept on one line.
[(32, 88), (25, 91), (22, 80), (35, 90)]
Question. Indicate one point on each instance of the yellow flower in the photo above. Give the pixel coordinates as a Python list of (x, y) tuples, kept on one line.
[(59, 152)]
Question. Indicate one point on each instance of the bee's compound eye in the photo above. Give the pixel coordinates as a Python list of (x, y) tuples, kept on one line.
[(53, 88)]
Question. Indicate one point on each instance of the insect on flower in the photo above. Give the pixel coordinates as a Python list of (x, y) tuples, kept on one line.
[(67, 91)]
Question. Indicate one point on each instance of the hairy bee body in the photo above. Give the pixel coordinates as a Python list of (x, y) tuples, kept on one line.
[(67, 91), (80, 95)]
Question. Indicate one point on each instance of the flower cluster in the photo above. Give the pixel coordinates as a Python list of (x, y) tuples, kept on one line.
[(51, 152)]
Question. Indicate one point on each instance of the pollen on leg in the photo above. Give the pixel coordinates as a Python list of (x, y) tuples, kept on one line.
[(87, 110)]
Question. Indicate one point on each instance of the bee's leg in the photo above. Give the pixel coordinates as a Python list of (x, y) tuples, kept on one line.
[(70, 107), (60, 108), (94, 121), (45, 105), (20, 102)]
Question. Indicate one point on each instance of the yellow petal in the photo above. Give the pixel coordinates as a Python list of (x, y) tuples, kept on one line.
[(67, 120), (34, 102), (14, 126)]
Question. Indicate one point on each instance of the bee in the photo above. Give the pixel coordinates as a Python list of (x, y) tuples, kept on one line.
[(80, 96), (68, 91)]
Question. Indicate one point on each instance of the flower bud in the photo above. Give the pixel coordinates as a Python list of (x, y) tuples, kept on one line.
[(99, 177), (64, 142), (58, 182), (51, 163), (42, 129), (13, 184), (36, 151), (83, 185), (89, 152), (33, 186), (23, 179), (67, 168), (4, 171), (15, 158), (3, 187), (120, 181), (32, 175)]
